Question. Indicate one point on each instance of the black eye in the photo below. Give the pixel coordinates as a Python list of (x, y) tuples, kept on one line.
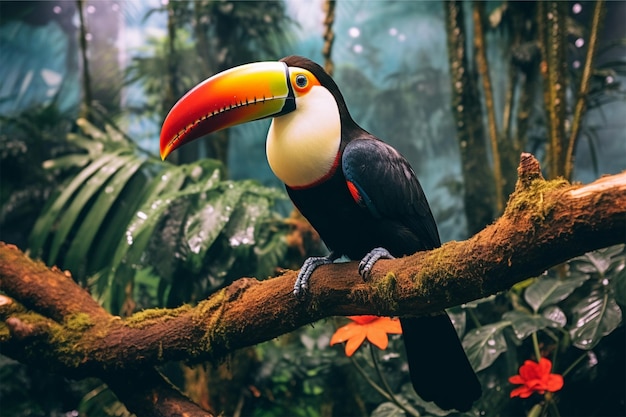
[(301, 81)]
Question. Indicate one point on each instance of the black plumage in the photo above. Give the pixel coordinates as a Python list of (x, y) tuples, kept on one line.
[(373, 199)]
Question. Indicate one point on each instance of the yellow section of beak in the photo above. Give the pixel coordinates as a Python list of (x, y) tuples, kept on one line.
[(238, 95)]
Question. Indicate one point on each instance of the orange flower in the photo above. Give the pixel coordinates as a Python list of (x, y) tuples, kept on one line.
[(535, 377), (372, 328)]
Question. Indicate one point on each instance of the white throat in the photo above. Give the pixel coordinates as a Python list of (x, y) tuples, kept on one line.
[(302, 145)]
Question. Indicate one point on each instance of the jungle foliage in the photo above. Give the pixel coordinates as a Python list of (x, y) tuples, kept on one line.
[(142, 233)]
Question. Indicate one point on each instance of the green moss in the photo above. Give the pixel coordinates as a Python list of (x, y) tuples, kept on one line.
[(531, 197), (147, 317), (208, 314), (78, 323), (386, 290), (67, 339), (437, 268)]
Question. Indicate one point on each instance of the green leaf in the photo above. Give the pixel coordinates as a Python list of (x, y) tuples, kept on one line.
[(204, 225), (146, 285), (130, 254), (78, 251), (547, 291), (524, 324), (619, 286), (94, 148), (45, 222), (137, 190), (484, 344), (594, 317), (556, 316), (476, 303), (601, 261), (269, 251), (102, 401), (388, 409), (67, 161), (408, 398), (458, 316), (167, 181), (75, 209)]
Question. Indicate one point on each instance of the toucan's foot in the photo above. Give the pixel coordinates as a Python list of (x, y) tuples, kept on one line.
[(368, 261), (302, 282)]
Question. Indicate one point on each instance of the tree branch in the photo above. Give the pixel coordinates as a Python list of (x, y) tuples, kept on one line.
[(50, 322)]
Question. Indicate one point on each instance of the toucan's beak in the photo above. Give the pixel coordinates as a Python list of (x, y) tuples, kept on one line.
[(238, 95)]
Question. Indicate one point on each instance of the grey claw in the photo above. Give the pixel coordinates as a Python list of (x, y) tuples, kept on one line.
[(302, 282), (368, 261)]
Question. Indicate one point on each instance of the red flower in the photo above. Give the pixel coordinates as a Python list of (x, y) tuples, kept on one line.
[(372, 328), (536, 377)]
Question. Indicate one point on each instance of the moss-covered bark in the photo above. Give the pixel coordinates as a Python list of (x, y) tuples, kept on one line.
[(50, 322)]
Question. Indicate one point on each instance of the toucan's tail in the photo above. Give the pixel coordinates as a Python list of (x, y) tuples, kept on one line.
[(440, 370)]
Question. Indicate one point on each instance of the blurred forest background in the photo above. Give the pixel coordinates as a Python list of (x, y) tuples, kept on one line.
[(461, 89)]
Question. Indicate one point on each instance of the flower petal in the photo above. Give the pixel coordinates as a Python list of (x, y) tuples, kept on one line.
[(377, 336), (363, 319), (389, 325), (529, 370), (354, 343), (554, 382), (544, 366), (346, 332), (522, 392), (516, 379)]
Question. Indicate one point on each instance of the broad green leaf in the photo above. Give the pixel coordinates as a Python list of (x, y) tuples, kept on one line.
[(600, 261), (269, 252), (524, 324), (99, 288), (408, 397), (458, 316), (130, 253), (140, 230), (547, 291), (67, 161), (619, 286), (80, 200), (476, 303), (146, 286), (133, 195), (94, 148), (90, 130), (100, 400), (204, 225), (170, 179), (556, 316), (115, 135), (165, 193), (594, 317), (388, 409), (44, 223), (79, 249), (484, 344)]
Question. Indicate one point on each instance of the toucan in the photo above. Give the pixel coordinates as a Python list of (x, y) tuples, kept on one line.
[(359, 193)]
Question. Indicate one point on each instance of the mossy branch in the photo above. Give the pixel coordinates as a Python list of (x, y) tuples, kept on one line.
[(50, 322)]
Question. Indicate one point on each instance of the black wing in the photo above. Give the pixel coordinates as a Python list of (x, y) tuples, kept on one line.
[(388, 188)]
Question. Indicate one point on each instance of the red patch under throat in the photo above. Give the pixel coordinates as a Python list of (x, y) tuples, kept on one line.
[(354, 191)]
